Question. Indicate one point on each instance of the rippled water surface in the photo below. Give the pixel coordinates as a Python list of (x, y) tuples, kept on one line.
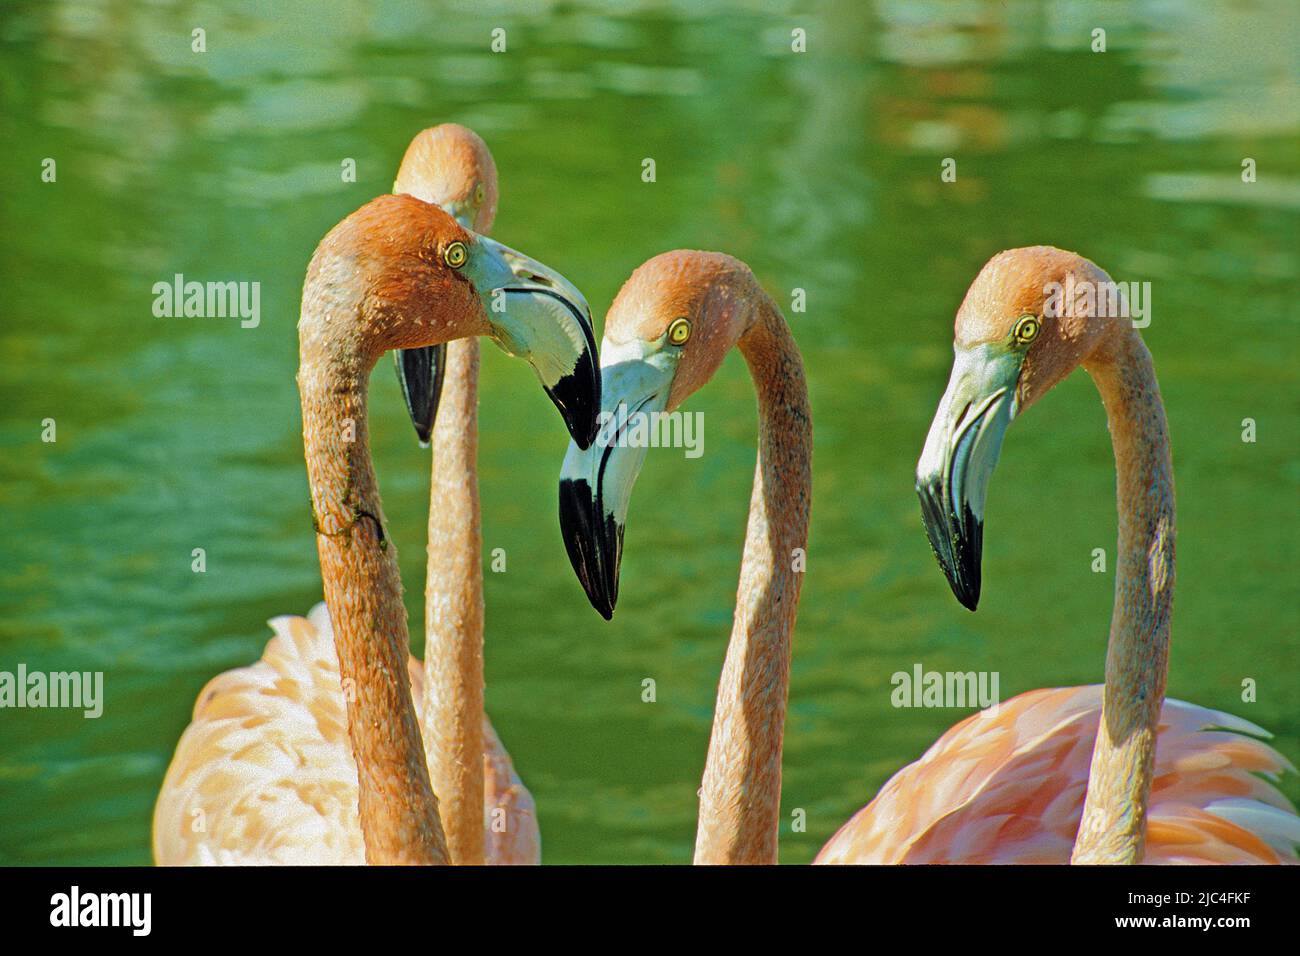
[(822, 171)]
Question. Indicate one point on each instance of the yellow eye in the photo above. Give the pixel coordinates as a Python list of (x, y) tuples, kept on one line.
[(455, 255), (1027, 328), (479, 193), (679, 331)]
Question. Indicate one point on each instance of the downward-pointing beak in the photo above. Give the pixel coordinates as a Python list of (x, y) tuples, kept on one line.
[(592, 536), (419, 376), (960, 454), (538, 315), (596, 482)]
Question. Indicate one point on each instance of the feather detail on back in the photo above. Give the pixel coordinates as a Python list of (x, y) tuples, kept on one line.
[(264, 773), (1008, 787)]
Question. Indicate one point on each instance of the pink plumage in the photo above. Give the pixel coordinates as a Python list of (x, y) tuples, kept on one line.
[(1008, 787), (265, 774)]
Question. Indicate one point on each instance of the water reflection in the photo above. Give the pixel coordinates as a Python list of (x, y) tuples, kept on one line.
[(822, 171)]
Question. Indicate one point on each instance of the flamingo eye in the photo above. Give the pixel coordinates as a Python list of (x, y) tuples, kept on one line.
[(679, 332), (455, 255), (1026, 330), (479, 193)]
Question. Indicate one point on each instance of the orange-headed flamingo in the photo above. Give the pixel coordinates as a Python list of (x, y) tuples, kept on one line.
[(264, 772), (1170, 782), (487, 812), (665, 335)]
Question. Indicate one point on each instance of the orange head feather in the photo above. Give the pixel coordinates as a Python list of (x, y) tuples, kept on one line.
[(714, 292), (380, 280), (1035, 281)]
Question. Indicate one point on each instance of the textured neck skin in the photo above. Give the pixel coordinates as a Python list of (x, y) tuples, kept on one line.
[(453, 615), (363, 590), (740, 800), (1114, 816)]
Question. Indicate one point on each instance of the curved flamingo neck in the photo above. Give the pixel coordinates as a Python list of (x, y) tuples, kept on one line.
[(1113, 827), (363, 590), (453, 610), (740, 800)]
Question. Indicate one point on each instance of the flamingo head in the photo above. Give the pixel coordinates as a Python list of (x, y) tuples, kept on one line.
[(666, 334), (416, 277), (450, 166), (1016, 337)]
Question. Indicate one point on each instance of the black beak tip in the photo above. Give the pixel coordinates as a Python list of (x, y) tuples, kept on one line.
[(419, 375), (957, 544), (968, 597), (577, 396), (585, 542)]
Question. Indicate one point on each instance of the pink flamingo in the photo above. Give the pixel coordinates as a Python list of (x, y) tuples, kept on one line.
[(1166, 781), (666, 334), (265, 768), (487, 812)]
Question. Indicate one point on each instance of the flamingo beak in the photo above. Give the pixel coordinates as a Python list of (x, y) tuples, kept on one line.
[(419, 376), (960, 454), (537, 314), (596, 482)]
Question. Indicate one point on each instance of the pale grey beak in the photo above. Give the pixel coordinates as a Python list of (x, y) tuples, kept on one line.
[(538, 315), (596, 482), (960, 454)]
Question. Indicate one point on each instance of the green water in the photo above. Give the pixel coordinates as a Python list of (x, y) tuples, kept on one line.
[(819, 169)]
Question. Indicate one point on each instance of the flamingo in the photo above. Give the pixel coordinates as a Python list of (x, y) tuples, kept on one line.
[(1003, 788), (1033, 781), (487, 812), (264, 773), (665, 335)]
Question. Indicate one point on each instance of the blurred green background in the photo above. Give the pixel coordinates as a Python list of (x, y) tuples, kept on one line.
[(821, 170)]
